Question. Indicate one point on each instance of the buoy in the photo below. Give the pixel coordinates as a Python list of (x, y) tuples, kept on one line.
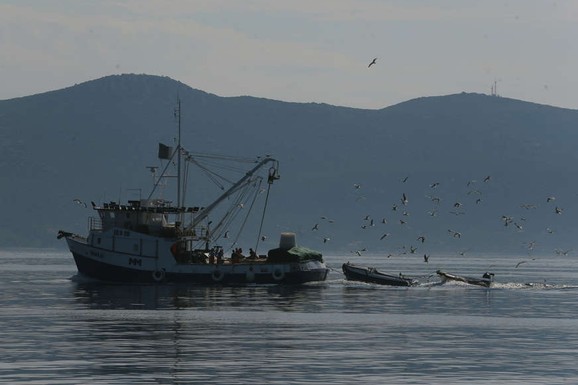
[(159, 275), (278, 274), (217, 275), (175, 249)]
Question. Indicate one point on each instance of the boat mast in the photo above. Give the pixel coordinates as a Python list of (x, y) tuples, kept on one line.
[(178, 114)]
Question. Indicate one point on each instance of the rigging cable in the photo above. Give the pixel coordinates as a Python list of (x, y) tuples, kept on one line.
[(248, 211), (263, 216)]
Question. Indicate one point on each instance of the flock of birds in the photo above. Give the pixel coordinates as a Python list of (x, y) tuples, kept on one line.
[(399, 222)]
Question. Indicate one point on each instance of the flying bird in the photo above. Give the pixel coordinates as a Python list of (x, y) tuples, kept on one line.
[(78, 201), (404, 200), (372, 62)]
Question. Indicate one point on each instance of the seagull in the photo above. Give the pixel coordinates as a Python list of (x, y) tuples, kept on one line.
[(426, 258), (384, 236), (455, 234), (487, 179), (226, 234), (316, 227), (421, 238), (434, 185), (78, 201), (357, 185), (404, 199), (263, 237), (374, 61), (558, 210), (531, 245), (326, 239), (550, 199), (507, 220)]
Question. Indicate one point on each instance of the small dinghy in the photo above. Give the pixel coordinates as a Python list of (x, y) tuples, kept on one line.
[(372, 275), (486, 280)]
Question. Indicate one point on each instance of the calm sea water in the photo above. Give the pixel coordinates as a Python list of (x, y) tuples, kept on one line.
[(58, 329)]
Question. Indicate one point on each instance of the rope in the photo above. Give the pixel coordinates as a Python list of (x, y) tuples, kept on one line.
[(263, 217)]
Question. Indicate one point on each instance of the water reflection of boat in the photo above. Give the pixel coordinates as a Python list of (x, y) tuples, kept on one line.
[(372, 275), (486, 280), (155, 240)]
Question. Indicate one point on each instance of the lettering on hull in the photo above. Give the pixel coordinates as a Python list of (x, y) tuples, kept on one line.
[(135, 261)]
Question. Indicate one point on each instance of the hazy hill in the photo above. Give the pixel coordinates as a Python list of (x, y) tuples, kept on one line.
[(92, 141)]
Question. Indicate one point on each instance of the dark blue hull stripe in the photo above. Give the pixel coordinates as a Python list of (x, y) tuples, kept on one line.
[(106, 272)]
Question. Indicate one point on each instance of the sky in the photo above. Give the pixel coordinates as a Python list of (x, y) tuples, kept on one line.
[(299, 50)]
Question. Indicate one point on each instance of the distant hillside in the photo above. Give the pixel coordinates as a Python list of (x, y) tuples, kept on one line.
[(92, 141)]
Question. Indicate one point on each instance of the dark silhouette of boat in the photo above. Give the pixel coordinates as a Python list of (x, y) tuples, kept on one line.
[(154, 239), (372, 275), (486, 280)]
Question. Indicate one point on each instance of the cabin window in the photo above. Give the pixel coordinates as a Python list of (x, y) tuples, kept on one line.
[(98, 241)]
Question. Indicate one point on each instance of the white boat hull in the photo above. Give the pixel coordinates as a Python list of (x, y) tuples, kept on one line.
[(115, 266)]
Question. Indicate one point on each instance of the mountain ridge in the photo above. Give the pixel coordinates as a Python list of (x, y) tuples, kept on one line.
[(87, 141)]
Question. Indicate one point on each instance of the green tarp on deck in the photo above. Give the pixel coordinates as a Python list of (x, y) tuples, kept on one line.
[(294, 254)]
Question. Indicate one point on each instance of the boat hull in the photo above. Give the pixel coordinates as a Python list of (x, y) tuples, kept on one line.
[(485, 282), (119, 267), (371, 275)]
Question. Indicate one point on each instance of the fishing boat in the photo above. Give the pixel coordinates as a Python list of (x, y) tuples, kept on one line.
[(153, 239), (372, 275), (486, 280)]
